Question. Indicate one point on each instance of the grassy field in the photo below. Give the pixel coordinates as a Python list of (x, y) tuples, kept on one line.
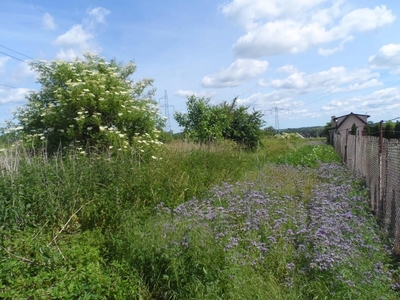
[(210, 222)]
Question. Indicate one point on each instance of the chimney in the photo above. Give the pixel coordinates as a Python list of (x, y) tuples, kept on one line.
[(333, 122)]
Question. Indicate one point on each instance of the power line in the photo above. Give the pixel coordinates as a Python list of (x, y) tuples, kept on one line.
[(39, 10), (328, 94), (17, 52), (9, 86), (35, 7), (13, 57)]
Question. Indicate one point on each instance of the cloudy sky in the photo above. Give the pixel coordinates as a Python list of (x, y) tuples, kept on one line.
[(310, 59)]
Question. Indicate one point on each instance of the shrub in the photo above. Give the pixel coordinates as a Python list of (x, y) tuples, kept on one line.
[(204, 123), (88, 103)]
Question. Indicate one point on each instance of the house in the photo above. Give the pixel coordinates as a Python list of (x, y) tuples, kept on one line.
[(342, 124)]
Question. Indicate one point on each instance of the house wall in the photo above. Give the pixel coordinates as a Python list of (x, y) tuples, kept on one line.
[(349, 122)]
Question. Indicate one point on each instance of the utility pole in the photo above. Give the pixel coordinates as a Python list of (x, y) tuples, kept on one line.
[(276, 109), (166, 111)]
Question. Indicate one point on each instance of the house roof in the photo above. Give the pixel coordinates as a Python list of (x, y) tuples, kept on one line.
[(345, 117)]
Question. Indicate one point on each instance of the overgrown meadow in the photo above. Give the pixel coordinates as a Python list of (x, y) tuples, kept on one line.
[(213, 222)]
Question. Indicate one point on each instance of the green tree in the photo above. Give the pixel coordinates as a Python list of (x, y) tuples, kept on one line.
[(374, 128), (244, 128), (397, 130), (326, 132), (269, 131), (353, 130), (367, 130), (205, 123), (89, 102), (389, 130), (202, 123)]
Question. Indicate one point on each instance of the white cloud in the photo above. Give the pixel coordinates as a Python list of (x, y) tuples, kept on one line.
[(187, 93), (375, 102), (236, 74), (288, 69), (250, 13), (76, 36), (364, 19), (328, 16), (333, 80), (379, 98), (22, 72), (13, 95), (81, 37), (292, 26), (48, 22), (265, 101), (74, 42), (359, 86), (286, 36), (388, 57), (328, 52), (96, 15), (3, 61)]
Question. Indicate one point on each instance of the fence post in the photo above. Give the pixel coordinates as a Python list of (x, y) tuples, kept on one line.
[(355, 152), (380, 199), (345, 147)]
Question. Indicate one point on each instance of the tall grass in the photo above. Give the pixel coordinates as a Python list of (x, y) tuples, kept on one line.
[(210, 222)]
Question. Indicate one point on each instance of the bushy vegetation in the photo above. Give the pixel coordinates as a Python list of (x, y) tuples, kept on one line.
[(196, 222), (309, 156), (88, 103), (93, 206), (205, 123), (390, 129), (309, 132)]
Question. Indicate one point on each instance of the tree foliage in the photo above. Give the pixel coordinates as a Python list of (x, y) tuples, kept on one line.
[(89, 102), (326, 132), (397, 130), (353, 130), (309, 132), (269, 131), (390, 129), (205, 123)]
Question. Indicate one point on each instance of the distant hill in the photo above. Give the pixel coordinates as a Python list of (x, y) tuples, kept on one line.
[(308, 132)]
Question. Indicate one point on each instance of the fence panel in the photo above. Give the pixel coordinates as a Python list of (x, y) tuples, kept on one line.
[(392, 191), (380, 167)]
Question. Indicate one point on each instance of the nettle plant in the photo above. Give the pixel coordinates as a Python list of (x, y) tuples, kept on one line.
[(90, 104)]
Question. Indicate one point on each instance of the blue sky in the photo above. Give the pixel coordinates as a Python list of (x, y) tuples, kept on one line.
[(310, 58)]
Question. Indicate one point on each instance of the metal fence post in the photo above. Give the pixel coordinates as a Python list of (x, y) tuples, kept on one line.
[(345, 146), (380, 199)]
